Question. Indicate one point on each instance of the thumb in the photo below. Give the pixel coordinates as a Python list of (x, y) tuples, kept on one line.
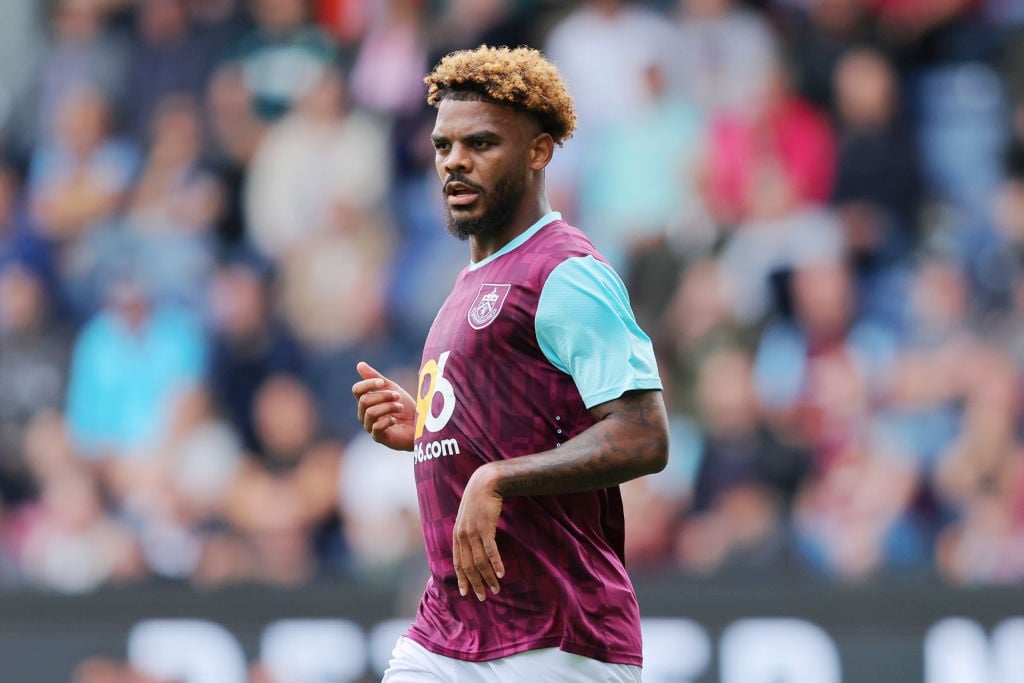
[(366, 371)]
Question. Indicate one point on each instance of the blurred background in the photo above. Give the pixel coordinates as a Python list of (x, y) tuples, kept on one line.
[(211, 209)]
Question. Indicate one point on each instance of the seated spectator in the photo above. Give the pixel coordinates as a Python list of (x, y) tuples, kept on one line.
[(34, 350), (979, 481), (378, 509), (270, 68), (79, 54), (77, 180), (173, 500), (815, 36), (780, 134), (855, 518), (391, 59), (282, 58), (638, 193), (819, 373), (877, 174), (780, 233), (129, 364), (166, 58), (165, 227), (20, 241), (603, 49), (68, 543), (723, 55), (283, 501), (698, 320), (746, 478), (249, 344), (302, 182)]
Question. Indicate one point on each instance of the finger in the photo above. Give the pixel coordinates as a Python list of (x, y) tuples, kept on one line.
[(494, 558), (377, 398), (481, 574), (372, 402), (383, 411), (366, 371), (466, 558), (367, 386), (460, 573), (381, 426)]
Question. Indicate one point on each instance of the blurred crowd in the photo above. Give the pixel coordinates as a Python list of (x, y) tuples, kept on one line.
[(211, 209)]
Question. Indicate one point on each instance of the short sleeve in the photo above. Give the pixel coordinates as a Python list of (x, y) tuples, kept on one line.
[(586, 328)]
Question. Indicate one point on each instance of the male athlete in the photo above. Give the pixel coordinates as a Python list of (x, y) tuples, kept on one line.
[(538, 395)]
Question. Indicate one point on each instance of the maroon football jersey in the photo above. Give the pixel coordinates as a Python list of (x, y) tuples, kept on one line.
[(487, 392)]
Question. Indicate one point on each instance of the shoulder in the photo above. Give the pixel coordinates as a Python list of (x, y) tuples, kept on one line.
[(564, 241)]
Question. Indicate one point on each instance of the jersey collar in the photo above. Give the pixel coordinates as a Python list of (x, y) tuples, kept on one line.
[(549, 217)]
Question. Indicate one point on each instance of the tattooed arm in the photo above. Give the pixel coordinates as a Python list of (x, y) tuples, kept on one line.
[(629, 440)]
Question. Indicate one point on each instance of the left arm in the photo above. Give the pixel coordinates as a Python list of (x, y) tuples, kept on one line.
[(629, 440)]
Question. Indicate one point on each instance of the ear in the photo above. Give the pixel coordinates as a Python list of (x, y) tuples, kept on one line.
[(541, 148)]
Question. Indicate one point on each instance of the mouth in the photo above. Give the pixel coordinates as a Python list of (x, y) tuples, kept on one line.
[(460, 194)]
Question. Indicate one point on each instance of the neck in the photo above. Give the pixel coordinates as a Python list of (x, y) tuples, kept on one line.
[(528, 213)]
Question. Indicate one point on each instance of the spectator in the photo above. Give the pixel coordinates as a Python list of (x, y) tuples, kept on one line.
[(816, 35), (21, 244), (166, 58), (598, 43), (282, 58), (854, 519), (34, 350), (129, 364), (283, 501), (249, 343), (165, 227), (698, 320), (273, 65), (746, 479), (779, 235), (80, 54), (378, 509), (724, 54), (819, 374), (638, 192), (68, 543), (389, 65), (302, 181), (77, 181), (877, 181), (980, 480), (779, 134), (174, 500)]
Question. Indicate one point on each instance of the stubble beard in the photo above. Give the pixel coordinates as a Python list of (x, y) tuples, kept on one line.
[(504, 200)]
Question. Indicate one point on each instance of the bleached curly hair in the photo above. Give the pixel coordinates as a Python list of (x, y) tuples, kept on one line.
[(521, 78)]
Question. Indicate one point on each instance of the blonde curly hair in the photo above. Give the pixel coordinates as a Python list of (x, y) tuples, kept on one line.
[(520, 77)]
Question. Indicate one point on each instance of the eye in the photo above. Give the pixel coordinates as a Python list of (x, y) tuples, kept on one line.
[(442, 146), (481, 144)]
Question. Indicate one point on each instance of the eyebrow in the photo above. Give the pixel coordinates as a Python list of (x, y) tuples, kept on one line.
[(471, 137)]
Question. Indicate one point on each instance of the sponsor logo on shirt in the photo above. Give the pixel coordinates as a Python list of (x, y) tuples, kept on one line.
[(487, 304), (432, 382)]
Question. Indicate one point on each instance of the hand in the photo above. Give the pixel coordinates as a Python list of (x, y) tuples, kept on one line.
[(474, 551), (386, 410)]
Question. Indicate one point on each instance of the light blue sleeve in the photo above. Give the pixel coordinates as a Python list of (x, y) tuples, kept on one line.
[(586, 329)]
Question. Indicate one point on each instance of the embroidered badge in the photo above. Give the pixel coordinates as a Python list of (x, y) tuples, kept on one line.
[(487, 305)]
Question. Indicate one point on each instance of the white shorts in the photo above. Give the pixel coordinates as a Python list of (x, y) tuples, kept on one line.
[(413, 663)]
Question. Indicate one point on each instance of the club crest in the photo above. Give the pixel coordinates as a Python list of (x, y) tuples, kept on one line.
[(487, 305)]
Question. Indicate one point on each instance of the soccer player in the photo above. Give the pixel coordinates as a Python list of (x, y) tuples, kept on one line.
[(538, 394)]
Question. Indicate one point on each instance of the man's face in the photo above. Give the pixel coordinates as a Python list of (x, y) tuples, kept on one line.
[(480, 152)]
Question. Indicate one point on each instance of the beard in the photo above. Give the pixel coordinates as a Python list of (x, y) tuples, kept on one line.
[(499, 207)]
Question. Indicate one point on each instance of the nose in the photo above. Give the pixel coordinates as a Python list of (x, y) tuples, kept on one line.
[(458, 160)]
